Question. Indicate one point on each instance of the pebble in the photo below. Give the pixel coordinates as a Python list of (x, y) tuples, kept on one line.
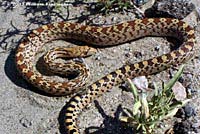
[(128, 55), (186, 112), (131, 16), (196, 124), (127, 49), (98, 74), (179, 91), (157, 48), (25, 122), (189, 111), (140, 2), (99, 20), (174, 8), (98, 58), (137, 54), (114, 19), (93, 7), (6, 5), (191, 91), (141, 83)]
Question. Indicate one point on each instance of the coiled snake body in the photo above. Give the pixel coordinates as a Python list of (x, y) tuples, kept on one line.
[(98, 36)]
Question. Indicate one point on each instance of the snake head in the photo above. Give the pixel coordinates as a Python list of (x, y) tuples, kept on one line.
[(86, 51)]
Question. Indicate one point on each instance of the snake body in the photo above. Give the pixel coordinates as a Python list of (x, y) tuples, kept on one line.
[(101, 36)]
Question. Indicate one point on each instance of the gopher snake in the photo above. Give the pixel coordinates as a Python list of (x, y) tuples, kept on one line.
[(99, 36)]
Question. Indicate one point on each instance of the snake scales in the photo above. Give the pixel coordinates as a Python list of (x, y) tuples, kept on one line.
[(98, 36)]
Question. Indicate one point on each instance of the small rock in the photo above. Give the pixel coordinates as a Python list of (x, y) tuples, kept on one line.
[(189, 111), (179, 91), (5, 4), (99, 20), (114, 19), (137, 54), (171, 8), (128, 55), (181, 80), (186, 112), (180, 114), (83, 12), (196, 124), (140, 2), (131, 16), (98, 74), (141, 83), (93, 7), (98, 58), (191, 91), (25, 122), (127, 49), (157, 48)]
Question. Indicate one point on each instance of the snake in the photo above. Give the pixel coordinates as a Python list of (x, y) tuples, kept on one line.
[(97, 36)]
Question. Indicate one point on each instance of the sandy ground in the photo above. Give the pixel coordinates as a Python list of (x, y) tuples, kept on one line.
[(24, 109)]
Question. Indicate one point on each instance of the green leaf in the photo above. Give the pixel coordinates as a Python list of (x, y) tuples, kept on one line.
[(130, 112), (133, 90), (145, 106), (171, 83), (136, 107)]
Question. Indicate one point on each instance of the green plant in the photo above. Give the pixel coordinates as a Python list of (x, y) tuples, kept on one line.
[(146, 115), (108, 5)]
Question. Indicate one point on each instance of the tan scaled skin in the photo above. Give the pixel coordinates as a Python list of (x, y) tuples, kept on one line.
[(101, 36)]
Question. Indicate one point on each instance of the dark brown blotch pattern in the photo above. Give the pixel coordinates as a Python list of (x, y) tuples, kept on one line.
[(108, 82)]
